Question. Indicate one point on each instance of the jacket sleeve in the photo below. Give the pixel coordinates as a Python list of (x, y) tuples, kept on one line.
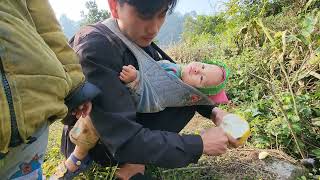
[(114, 114), (205, 110), (49, 29)]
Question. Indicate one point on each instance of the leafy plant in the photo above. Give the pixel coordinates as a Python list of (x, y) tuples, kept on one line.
[(273, 49), (94, 14)]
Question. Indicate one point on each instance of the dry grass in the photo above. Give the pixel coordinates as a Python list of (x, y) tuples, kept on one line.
[(240, 163)]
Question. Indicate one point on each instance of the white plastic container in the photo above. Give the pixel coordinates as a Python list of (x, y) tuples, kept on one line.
[(236, 127)]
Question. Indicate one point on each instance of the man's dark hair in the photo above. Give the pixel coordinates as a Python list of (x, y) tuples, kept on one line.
[(148, 8)]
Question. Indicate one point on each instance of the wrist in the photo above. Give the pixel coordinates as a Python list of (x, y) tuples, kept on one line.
[(202, 135), (80, 152), (70, 165)]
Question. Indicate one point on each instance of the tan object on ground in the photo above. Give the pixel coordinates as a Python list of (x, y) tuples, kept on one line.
[(263, 155)]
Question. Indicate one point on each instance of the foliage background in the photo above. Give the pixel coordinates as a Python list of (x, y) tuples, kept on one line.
[(273, 50)]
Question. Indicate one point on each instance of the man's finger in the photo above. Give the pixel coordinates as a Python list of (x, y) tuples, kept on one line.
[(234, 143), (224, 148), (217, 116)]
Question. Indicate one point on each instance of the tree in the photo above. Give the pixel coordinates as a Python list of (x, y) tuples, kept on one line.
[(69, 26), (202, 24), (171, 30), (94, 14)]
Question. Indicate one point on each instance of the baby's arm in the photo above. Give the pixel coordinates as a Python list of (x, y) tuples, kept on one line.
[(128, 74)]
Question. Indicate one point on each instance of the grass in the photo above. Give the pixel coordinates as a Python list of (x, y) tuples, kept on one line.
[(54, 158), (236, 164)]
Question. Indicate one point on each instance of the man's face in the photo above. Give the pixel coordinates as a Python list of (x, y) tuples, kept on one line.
[(137, 28)]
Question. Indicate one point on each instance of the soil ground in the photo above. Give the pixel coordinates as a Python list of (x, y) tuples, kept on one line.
[(241, 163)]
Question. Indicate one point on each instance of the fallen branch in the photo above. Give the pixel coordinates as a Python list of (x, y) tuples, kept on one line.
[(314, 74)]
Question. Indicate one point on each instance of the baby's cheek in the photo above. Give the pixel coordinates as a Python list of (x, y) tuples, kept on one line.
[(188, 81), (196, 83)]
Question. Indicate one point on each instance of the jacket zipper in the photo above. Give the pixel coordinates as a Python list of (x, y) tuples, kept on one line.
[(15, 138)]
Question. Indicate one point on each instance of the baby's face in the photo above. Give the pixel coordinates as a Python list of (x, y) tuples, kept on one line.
[(200, 75)]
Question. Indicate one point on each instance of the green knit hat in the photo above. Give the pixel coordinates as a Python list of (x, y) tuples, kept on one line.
[(213, 90)]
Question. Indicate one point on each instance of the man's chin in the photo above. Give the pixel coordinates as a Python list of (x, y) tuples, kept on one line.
[(144, 43)]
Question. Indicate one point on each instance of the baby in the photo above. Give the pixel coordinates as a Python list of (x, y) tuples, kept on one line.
[(209, 78)]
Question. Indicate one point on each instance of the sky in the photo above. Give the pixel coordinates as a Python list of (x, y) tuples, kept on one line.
[(72, 8)]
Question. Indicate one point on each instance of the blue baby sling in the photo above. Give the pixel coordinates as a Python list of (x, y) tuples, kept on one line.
[(157, 89)]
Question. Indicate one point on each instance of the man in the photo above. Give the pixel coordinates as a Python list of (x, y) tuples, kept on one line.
[(127, 136)]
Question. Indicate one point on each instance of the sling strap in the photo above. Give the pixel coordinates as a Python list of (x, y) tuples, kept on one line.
[(157, 89)]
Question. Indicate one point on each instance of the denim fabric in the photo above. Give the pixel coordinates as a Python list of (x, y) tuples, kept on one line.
[(25, 160)]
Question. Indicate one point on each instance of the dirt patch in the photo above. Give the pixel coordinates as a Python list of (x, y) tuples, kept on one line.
[(197, 124), (241, 163)]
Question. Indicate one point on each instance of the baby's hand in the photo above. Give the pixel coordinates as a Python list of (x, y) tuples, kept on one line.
[(128, 74), (83, 110)]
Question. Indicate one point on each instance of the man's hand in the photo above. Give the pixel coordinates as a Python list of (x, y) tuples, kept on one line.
[(217, 116), (83, 110), (215, 141), (128, 170), (233, 143), (128, 74)]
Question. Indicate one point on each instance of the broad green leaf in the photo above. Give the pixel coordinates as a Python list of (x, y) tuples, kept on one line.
[(304, 39), (297, 128), (292, 38), (316, 152), (303, 178), (307, 27)]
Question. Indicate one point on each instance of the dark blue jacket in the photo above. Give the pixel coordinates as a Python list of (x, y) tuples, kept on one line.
[(122, 131)]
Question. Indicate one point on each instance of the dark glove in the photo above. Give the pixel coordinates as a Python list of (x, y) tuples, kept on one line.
[(86, 92)]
